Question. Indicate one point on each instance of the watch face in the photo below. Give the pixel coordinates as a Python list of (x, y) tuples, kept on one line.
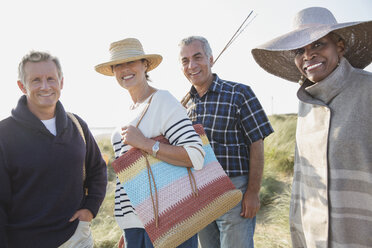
[(155, 148)]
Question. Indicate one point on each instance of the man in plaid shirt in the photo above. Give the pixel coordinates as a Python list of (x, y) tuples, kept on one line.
[(236, 125)]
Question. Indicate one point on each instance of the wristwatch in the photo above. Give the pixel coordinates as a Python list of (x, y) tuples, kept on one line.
[(155, 148)]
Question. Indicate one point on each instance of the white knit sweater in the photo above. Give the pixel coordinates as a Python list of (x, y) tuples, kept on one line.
[(165, 116)]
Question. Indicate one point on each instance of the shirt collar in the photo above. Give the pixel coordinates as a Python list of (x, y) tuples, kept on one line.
[(328, 88), (23, 115), (214, 87)]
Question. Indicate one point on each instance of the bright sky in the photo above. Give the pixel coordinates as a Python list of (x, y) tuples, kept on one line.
[(80, 32)]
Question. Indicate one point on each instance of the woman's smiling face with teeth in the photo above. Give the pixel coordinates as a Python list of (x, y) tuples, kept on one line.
[(319, 59), (130, 73)]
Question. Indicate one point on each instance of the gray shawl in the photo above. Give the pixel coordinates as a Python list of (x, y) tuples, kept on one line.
[(331, 203)]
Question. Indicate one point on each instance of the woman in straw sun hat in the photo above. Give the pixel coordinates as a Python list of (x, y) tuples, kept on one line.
[(164, 116), (332, 191)]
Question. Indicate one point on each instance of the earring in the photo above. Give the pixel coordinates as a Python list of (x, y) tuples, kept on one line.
[(339, 61), (302, 80)]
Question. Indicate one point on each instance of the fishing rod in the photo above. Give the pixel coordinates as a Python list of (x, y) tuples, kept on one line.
[(236, 34), (187, 97)]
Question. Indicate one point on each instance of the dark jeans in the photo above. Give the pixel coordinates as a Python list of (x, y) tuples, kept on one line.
[(138, 238)]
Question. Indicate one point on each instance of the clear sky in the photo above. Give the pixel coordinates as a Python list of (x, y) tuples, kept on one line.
[(80, 32)]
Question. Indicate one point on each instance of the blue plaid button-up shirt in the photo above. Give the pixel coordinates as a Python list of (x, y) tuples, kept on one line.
[(233, 119)]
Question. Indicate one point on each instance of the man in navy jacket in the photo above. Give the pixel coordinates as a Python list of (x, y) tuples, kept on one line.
[(42, 155)]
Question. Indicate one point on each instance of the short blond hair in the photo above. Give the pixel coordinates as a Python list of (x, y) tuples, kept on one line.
[(37, 56)]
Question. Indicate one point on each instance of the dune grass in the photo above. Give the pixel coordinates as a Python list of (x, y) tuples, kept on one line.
[(279, 146), (105, 231), (272, 229)]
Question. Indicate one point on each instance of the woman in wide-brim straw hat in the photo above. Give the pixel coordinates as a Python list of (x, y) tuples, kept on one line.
[(163, 116), (332, 191)]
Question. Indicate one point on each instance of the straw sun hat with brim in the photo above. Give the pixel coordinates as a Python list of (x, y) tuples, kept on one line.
[(311, 24), (127, 50)]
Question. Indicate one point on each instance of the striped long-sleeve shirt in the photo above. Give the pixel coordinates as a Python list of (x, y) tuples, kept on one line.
[(165, 116)]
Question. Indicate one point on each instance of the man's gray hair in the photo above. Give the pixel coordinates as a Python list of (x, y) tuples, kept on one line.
[(205, 44), (36, 56)]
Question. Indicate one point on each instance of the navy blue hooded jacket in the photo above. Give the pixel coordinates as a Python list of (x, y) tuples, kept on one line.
[(41, 178)]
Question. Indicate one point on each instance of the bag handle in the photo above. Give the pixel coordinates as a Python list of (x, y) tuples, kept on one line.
[(155, 202), (78, 126), (145, 110), (194, 187)]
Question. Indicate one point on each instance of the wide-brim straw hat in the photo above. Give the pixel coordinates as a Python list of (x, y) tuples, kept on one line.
[(127, 50), (311, 24)]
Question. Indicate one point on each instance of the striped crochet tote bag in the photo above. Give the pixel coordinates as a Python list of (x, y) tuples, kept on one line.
[(173, 202)]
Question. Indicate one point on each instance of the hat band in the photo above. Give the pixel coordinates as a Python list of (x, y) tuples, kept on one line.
[(120, 55)]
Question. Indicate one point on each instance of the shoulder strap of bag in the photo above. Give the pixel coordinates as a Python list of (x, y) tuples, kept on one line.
[(145, 110), (194, 187), (186, 99), (155, 202), (78, 126)]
